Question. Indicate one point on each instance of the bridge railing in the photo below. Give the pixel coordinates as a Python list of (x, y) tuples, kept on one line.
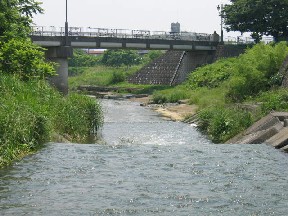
[(142, 34), (119, 33), (246, 40)]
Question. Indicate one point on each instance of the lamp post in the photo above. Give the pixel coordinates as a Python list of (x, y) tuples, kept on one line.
[(66, 26), (219, 8)]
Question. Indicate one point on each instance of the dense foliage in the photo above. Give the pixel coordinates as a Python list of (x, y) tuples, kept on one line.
[(82, 59), (255, 71), (24, 59), (17, 53), (117, 58), (275, 100), (16, 17), (111, 58), (222, 123), (32, 113), (212, 75), (261, 17)]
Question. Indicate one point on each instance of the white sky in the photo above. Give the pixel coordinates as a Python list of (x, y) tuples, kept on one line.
[(156, 15)]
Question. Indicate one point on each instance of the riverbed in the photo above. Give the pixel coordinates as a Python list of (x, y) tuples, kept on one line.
[(145, 165)]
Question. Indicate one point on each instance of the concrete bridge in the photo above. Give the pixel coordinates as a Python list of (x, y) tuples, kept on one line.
[(60, 43), (120, 38)]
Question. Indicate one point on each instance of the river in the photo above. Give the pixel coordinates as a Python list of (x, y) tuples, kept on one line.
[(146, 166)]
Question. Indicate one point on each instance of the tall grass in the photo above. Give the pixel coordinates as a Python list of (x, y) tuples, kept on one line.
[(31, 112), (171, 95), (275, 100), (223, 123)]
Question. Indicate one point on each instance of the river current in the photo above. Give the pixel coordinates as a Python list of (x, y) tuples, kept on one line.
[(146, 166)]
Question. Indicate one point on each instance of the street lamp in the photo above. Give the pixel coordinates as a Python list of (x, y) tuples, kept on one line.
[(66, 26), (220, 8)]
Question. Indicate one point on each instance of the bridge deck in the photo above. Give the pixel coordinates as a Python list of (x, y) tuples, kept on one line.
[(129, 43), (119, 38)]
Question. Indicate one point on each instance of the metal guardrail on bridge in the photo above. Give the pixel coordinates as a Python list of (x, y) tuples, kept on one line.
[(119, 33)]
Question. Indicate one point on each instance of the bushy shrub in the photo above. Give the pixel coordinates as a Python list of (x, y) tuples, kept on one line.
[(82, 59), (75, 71), (171, 95), (118, 76), (117, 58), (222, 123), (276, 100), (257, 70), (211, 76), (23, 58), (151, 56)]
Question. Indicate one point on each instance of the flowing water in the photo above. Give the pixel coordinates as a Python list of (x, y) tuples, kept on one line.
[(146, 166)]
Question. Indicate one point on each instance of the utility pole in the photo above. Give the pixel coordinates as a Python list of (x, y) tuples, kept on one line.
[(220, 8), (66, 26)]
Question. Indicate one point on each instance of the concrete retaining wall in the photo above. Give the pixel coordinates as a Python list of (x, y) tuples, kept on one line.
[(174, 67), (272, 130)]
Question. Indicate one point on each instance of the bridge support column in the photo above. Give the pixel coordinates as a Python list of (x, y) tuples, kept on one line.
[(60, 56)]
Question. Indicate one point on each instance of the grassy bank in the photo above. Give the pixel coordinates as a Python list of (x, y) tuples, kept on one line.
[(101, 75), (233, 93), (32, 113)]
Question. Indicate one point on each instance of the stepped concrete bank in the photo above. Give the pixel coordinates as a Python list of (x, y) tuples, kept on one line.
[(272, 130)]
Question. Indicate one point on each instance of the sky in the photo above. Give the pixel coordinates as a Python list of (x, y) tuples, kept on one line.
[(199, 16)]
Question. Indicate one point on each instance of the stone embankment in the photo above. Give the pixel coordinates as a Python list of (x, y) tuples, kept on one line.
[(272, 130)]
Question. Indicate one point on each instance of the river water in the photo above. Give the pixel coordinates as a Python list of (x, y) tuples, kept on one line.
[(146, 166)]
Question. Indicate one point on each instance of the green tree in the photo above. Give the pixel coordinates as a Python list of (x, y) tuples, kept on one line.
[(152, 55), (82, 59), (117, 58), (18, 55), (26, 60), (260, 17), (16, 17)]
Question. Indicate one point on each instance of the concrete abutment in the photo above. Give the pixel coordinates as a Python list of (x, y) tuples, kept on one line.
[(174, 67), (60, 56)]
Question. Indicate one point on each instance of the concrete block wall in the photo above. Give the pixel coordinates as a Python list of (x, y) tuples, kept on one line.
[(160, 71), (284, 72), (226, 51), (272, 130)]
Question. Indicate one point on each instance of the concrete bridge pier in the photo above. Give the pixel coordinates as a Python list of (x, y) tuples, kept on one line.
[(60, 56)]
